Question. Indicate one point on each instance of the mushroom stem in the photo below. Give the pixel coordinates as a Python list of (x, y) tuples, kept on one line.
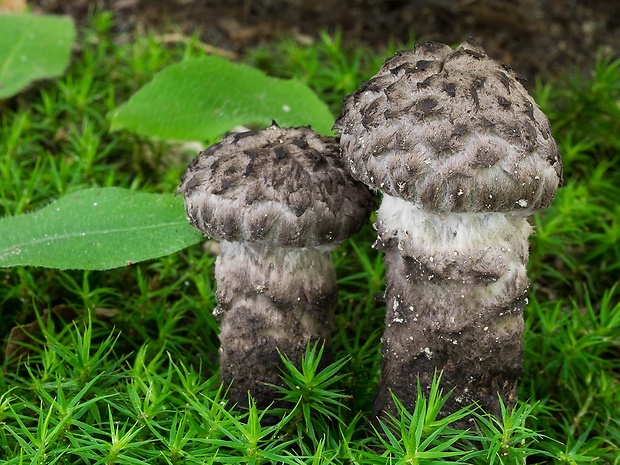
[(269, 299), (456, 288)]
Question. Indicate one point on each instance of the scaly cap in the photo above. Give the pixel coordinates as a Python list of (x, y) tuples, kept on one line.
[(284, 186), (451, 131)]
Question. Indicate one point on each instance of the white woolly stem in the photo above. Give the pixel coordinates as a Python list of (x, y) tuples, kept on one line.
[(270, 299), (456, 286)]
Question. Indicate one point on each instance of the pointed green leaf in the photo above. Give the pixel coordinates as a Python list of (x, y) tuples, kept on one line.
[(32, 47), (97, 229), (202, 98)]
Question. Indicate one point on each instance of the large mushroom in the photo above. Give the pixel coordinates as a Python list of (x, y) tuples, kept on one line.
[(462, 155), (279, 201)]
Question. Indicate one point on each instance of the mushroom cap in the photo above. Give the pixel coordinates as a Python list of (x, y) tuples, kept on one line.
[(451, 131), (284, 186)]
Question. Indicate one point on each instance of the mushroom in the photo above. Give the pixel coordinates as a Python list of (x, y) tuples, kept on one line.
[(279, 201), (462, 155)]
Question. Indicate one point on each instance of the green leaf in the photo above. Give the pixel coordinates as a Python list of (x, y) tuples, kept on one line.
[(97, 229), (202, 98), (32, 47)]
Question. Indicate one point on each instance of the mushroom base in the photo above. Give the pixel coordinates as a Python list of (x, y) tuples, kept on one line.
[(456, 288), (270, 301)]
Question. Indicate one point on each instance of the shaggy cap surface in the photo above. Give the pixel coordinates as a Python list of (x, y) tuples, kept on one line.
[(282, 186), (451, 131)]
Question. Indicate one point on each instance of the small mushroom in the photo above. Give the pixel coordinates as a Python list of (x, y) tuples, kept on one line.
[(462, 155), (279, 201)]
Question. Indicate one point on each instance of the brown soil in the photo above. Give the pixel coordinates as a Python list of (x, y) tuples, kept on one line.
[(536, 37)]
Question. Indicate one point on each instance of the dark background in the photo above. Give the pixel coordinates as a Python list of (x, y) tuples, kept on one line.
[(536, 37)]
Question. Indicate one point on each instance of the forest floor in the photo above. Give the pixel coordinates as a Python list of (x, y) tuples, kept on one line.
[(536, 37)]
